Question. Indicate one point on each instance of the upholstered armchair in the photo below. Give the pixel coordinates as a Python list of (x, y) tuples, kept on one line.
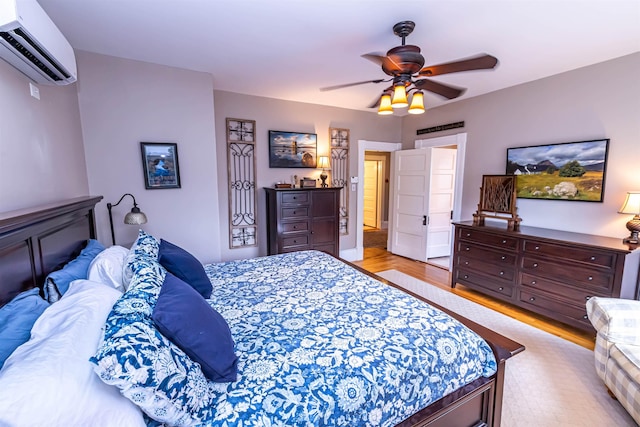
[(617, 350)]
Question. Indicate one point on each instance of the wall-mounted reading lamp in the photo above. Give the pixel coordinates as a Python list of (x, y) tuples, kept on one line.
[(135, 217)]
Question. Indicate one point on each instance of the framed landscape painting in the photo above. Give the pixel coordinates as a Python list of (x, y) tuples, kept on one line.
[(292, 149), (566, 171)]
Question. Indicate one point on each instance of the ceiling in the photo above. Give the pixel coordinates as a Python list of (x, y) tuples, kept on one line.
[(288, 49)]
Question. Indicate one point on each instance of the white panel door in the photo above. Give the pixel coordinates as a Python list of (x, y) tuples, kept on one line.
[(442, 186), (410, 203)]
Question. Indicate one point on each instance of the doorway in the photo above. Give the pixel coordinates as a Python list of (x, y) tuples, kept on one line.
[(457, 141), (376, 199)]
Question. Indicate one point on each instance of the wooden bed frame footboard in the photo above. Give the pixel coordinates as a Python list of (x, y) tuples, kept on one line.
[(36, 241), (477, 404)]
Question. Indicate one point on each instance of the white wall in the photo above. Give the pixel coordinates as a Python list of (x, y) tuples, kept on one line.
[(125, 102), (273, 114), (599, 101), (41, 151)]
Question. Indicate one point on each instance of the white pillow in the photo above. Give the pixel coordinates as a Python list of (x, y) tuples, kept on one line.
[(49, 379), (107, 267)]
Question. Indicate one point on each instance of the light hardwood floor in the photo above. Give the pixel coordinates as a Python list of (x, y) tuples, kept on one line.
[(378, 259)]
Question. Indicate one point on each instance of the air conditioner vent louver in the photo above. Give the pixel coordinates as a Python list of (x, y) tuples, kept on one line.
[(26, 53)]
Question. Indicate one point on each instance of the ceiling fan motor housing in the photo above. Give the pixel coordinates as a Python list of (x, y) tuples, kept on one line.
[(405, 59)]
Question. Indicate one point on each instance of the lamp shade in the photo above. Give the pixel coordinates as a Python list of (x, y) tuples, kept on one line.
[(399, 97), (135, 217), (632, 203), (385, 105), (323, 162), (417, 103)]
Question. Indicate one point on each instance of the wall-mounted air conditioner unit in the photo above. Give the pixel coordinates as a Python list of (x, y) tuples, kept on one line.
[(31, 42)]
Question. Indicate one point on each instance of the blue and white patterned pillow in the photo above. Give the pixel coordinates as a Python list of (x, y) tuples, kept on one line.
[(145, 247), (148, 368)]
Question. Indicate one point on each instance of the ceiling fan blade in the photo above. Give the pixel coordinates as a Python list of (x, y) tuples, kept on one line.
[(480, 62), (390, 62), (328, 88), (443, 90), (376, 58)]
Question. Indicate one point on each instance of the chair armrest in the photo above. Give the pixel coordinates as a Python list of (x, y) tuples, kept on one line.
[(616, 320)]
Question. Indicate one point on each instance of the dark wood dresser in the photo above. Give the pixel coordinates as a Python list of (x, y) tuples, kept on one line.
[(303, 218), (549, 272)]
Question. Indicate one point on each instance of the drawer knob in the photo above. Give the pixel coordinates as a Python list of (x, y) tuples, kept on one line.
[(532, 299), (501, 288), (502, 273), (468, 234), (504, 241), (585, 317), (503, 257), (587, 298), (590, 278), (593, 258), (535, 264), (466, 263), (533, 282), (466, 276), (537, 247), (467, 248)]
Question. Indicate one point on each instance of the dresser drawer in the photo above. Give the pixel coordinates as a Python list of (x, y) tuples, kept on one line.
[(576, 274), (487, 284), (295, 197), (506, 271), (490, 239), (293, 227), (574, 295), (292, 241), (574, 315), (297, 212), (586, 255), (470, 250)]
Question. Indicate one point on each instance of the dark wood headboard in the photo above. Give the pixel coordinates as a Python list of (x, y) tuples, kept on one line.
[(38, 240)]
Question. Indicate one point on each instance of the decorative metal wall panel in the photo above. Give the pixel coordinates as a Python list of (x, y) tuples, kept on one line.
[(241, 167), (339, 139)]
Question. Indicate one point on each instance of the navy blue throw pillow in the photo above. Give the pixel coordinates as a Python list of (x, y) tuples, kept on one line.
[(185, 266), (187, 320)]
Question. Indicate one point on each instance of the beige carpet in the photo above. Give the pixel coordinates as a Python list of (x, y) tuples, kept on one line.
[(552, 383)]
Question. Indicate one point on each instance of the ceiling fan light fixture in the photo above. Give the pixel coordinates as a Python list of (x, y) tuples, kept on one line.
[(399, 97), (417, 103), (385, 105)]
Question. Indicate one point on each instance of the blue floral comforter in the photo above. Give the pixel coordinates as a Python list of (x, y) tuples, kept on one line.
[(320, 343)]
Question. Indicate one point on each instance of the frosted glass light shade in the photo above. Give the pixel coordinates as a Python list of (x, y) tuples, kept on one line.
[(417, 103), (399, 97), (385, 105)]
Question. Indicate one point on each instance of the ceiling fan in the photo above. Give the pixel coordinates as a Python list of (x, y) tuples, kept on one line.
[(405, 65)]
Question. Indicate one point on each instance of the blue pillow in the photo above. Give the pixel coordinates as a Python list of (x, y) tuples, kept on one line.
[(185, 318), (185, 266), (57, 282), (16, 319)]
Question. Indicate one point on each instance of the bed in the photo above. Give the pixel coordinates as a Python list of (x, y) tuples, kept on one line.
[(34, 242)]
